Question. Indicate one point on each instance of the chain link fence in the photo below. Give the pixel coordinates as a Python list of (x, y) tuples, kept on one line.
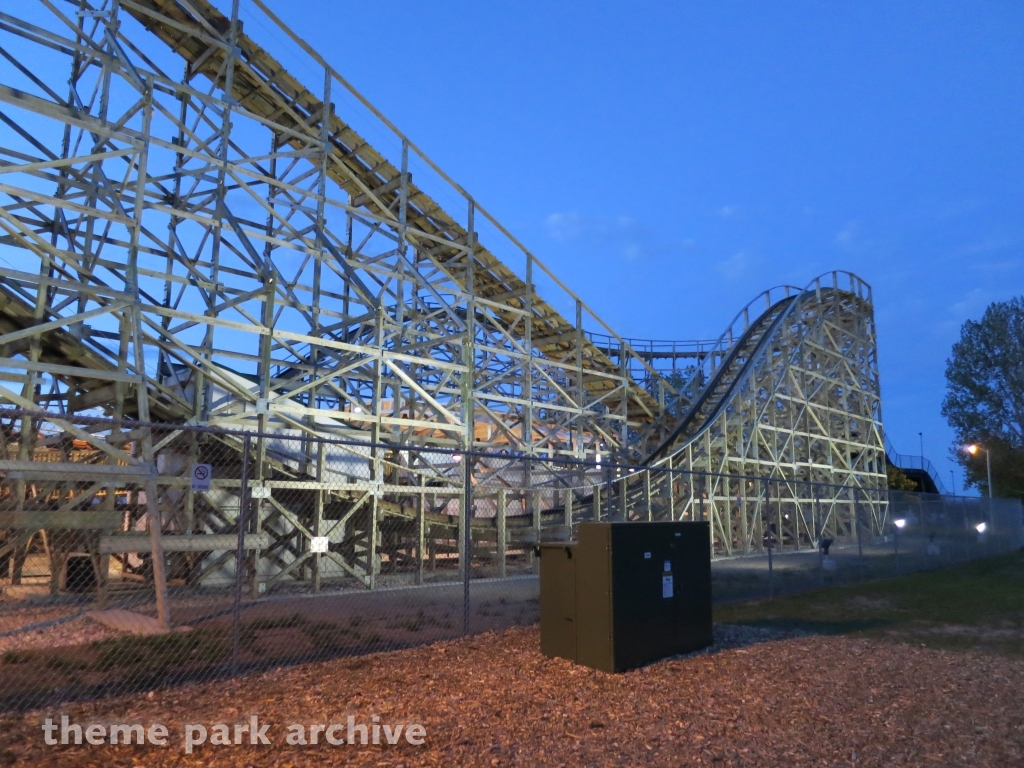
[(278, 547)]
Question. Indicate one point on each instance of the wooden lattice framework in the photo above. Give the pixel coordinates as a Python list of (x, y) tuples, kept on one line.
[(191, 235)]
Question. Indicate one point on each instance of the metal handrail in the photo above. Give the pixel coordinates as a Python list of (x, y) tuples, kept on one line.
[(913, 461)]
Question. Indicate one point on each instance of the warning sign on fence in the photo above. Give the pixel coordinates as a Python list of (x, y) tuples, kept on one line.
[(201, 476)]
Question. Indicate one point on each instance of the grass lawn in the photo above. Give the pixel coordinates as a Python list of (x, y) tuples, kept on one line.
[(978, 605)]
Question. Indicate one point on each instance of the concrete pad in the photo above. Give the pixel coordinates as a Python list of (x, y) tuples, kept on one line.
[(129, 621), (23, 591)]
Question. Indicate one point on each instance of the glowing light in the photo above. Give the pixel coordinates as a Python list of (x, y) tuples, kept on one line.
[(971, 449), (899, 523), (980, 527)]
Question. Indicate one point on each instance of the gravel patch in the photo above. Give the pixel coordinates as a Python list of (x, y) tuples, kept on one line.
[(60, 627), (757, 700)]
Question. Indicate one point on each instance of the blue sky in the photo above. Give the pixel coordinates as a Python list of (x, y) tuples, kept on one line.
[(672, 160)]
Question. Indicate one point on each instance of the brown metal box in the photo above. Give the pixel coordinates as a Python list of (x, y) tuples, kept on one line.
[(641, 592)]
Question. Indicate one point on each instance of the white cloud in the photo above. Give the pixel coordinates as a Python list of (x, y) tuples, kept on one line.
[(622, 235), (736, 265), (972, 305), (564, 226), (847, 234), (726, 211)]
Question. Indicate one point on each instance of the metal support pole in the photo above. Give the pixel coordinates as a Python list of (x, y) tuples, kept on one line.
[(535, 502), (421, 529), (671, 486), (597, 503), (988, 469), (567, 508), (819, 534), (647, 493), (896, 547), (467, 541), (856, 522), (243, 504), (502, 534), (771, 568), (318, 514), (700, 498)]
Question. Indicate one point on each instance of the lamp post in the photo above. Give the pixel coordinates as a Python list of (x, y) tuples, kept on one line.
[(973, 449)]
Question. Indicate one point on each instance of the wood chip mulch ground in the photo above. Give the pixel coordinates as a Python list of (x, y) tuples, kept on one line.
[(494, 700)]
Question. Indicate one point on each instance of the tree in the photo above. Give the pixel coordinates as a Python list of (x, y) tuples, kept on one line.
[(898, 480), (984, 401)]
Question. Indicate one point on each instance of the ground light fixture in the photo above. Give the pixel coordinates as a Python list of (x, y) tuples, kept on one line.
[(899, 523)]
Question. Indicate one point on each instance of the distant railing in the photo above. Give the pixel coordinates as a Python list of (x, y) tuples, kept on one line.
[(907, 461)]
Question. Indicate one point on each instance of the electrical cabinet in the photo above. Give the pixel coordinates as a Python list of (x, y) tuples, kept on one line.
[(627, 593)]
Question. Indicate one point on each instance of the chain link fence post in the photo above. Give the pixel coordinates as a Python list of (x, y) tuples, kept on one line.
[(466, 555), (243, 503), (771, 569)]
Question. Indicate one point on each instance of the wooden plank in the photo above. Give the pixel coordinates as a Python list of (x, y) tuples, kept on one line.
[(515, 293), (69, 370), (566, 337), (216, 542), (79, 521), (72, 471), (383, 189)]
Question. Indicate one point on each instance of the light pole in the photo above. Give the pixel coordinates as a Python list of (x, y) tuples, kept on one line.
[(952, 483), (973, 449), (920, 440)]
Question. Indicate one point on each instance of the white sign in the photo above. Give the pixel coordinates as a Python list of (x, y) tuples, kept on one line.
[(666, 586), (259, 491), (318, 545), (201, 476)]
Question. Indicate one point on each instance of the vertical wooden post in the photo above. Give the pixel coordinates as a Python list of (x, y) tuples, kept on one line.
[(568, 514), (163, 608), (597, 503)]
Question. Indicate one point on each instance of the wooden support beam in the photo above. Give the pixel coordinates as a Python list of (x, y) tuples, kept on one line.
[(50, 520), (383, 189), (216, 542)]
